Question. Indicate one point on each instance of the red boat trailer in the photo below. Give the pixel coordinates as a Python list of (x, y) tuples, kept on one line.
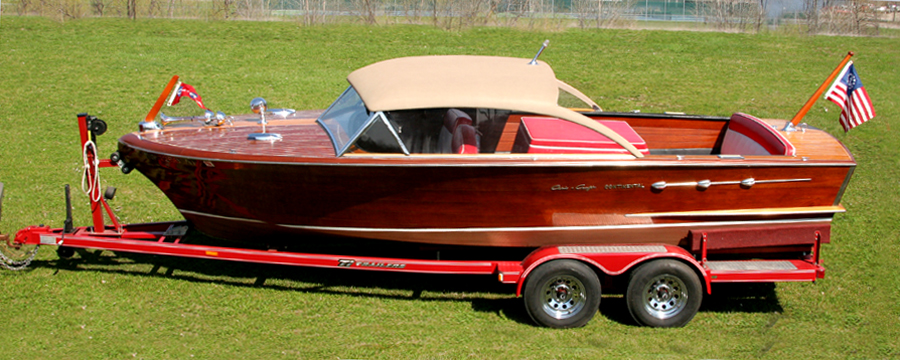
[(559, 283)]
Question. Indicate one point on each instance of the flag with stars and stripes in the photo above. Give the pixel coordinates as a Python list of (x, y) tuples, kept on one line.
[(848, 93)]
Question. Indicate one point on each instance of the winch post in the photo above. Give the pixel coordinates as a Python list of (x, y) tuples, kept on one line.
[(98, 203), (91, 172)]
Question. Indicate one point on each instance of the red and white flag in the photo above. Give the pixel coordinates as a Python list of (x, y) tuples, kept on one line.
[(189, 91), (848, 93)]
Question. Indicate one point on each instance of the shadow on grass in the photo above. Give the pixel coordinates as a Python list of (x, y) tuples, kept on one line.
[(748, 298), (483, 292), (726, 298)]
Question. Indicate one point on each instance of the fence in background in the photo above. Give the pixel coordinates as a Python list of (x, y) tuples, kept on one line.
[(728, 15)]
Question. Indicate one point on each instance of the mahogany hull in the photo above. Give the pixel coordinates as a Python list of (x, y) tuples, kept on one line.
[(506, 201)]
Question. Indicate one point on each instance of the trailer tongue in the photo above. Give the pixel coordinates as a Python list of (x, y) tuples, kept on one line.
[(561, 285)]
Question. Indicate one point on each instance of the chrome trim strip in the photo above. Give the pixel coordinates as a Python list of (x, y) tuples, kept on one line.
[(660, 185), (393, 131), (750, 212), (730, 157), (522, 160), (514, 229), (840, 194)]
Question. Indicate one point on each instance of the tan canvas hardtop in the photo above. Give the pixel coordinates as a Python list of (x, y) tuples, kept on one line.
[(465, 81)]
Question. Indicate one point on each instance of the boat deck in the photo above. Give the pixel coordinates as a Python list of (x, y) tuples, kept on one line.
[(304, 138)]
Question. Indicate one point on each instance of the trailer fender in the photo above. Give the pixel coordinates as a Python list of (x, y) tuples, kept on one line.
[(610, 259)]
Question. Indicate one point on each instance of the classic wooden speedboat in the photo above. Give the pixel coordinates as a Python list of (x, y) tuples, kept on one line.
[(478, 151)]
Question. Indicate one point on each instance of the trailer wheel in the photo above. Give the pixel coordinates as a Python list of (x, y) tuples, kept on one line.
[(664, 293), (562, 294), (65, 252)]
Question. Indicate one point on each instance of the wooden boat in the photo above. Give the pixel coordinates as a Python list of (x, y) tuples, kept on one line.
[(477, 151)]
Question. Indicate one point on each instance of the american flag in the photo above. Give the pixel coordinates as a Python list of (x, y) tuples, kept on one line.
[(189, 91), (848, 93)]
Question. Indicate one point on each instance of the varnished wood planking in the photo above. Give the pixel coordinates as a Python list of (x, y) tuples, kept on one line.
[(675, 133), (508, 138), (299, 139)]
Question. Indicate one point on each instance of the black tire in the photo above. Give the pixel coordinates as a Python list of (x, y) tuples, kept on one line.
[(65, 252), (110, 193), (98, 127), (664, 293), (562, 294)]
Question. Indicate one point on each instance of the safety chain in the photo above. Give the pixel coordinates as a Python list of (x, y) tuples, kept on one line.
[(16, 265)]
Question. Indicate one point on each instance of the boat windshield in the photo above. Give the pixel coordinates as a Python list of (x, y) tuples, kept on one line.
[(345, 119)]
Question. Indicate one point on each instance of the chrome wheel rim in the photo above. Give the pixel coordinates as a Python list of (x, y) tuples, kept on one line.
[(665, 296), (563, 297)]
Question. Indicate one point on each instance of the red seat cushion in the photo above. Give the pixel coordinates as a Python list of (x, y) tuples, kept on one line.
[(465, 140), (455, 117), (557, 136), (747, 135)]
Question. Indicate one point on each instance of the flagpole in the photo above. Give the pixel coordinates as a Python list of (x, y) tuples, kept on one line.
[(809, 103), (161, 100)]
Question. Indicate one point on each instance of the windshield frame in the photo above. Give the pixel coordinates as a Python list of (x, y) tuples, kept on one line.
[(336, 116)]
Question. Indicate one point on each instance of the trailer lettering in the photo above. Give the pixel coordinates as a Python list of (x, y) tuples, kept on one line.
[(381, 265), (346, 262), (369, 264)]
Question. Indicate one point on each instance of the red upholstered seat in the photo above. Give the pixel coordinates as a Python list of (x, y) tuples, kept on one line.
[(458, 135), (747, 135), (557, 136), (465, 139), (454, 117)]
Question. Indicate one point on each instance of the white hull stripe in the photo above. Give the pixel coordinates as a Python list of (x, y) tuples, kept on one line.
[(514, 229)]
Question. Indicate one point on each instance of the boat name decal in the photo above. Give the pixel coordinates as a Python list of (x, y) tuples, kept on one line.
[(623, 186), (579, 187), (371, 264)]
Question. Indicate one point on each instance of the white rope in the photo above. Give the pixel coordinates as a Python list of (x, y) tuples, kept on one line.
[(89, 187)]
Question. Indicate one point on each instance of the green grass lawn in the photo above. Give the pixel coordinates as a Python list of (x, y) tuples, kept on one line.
[(117, 305)]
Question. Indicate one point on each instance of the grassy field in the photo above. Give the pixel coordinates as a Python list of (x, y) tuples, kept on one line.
[(115, 305)]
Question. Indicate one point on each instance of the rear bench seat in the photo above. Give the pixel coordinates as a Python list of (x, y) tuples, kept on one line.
[(460, 136), (538, 135), (747, 135)]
